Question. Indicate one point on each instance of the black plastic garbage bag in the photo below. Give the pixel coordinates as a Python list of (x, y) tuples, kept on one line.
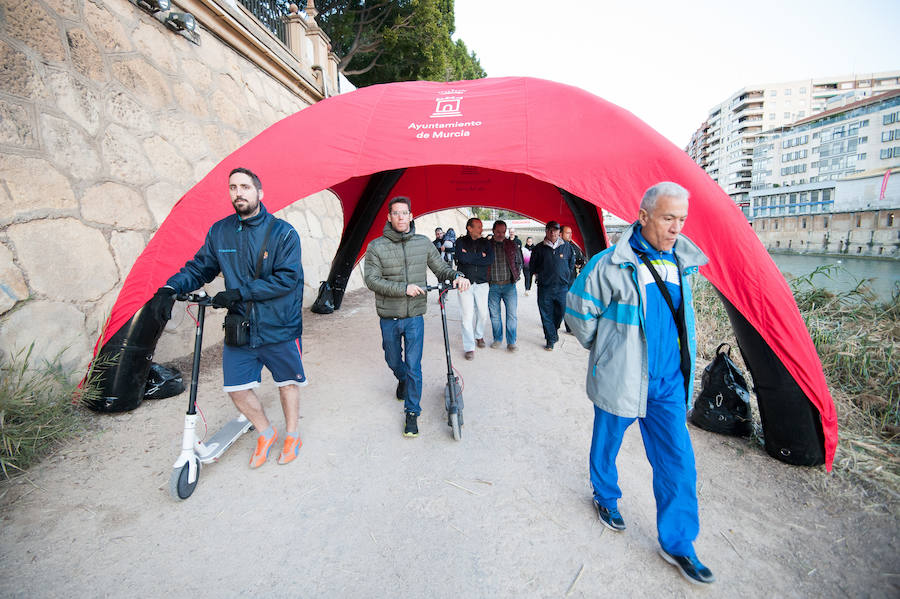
[(162, 382), (723, 404)]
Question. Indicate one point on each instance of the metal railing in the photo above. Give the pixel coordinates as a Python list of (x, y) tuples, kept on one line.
[(269, 13)]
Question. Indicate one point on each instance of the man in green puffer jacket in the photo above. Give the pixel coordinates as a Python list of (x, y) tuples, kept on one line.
[(395, 269)]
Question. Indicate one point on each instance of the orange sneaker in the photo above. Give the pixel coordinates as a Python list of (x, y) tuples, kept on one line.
[(263, 446), (292, 445)]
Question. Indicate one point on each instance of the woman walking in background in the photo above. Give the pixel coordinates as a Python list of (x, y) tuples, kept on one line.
[(526, 259)]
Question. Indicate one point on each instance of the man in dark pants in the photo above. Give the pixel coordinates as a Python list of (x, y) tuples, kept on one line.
[(271, 299), (439, 241), (395, 269), (552, 262), (566, 234)]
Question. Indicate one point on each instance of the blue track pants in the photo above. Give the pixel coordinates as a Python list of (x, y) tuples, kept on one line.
[(668, 448)]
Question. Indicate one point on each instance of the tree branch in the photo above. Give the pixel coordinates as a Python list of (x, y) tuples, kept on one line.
[(366, 69)]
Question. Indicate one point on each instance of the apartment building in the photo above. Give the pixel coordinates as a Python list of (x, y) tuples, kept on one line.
[(724, 144), (828, 183), (796, 167)]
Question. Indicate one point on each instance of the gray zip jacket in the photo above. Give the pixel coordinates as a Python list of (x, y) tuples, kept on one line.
[(606, 310)]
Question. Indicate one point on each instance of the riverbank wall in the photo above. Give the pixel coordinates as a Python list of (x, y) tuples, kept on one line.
[(861, 233)]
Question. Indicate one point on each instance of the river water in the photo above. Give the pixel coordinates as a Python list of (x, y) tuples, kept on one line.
[(885, 274)]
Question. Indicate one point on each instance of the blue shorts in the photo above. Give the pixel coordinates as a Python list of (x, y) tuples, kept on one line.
[(242, 366)]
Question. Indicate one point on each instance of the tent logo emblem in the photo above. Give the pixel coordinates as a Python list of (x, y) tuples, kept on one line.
[(447, 107)]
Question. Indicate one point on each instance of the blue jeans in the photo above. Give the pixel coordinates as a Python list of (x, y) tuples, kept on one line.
[(552, 304), (668, 448), (510, 298), (393, 333)]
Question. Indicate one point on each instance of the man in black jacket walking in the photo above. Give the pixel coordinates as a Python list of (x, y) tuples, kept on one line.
[(552, 262), (566, 234), (474, 255)]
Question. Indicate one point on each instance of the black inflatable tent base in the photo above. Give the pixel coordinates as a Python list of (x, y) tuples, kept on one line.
[(124, 361), (792, 426)]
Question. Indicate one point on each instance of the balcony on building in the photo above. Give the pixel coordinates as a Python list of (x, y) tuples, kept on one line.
[(746, 98), (749, 127), (750, 118), (749, 107)]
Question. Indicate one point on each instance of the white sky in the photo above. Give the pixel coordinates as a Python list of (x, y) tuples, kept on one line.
[(669, 62)]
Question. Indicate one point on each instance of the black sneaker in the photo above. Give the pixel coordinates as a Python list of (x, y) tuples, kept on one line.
[(690, 567), (401, 390), (611, 518), (548, 346), (412, 428)]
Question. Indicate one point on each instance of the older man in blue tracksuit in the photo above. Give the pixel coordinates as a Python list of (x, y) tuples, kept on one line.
[(640, 367), (271, 299)]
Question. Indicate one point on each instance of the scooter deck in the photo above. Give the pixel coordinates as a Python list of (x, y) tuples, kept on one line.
[(223, 439)]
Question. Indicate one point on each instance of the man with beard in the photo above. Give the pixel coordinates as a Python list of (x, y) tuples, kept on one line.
[(259, 257)]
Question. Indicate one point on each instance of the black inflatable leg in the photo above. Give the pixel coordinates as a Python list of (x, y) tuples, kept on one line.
[(123, 363), (588, 221), (792, 426), (370, 205)]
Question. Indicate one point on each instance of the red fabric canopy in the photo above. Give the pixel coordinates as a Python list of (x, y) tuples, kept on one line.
[(508, 143)]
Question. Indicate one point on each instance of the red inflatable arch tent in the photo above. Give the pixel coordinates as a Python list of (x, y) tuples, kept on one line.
[(543, 149)]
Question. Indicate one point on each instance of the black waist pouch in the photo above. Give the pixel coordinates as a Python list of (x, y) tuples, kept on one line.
[(237, 330)]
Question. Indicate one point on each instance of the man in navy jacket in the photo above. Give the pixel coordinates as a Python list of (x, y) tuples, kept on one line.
[(272, 301), (552, 262)]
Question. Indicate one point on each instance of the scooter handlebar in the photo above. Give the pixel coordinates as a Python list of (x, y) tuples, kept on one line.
[(195, 298), (439, 287)]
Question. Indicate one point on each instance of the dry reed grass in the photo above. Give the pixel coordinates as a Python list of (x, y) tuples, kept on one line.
[(858, 342)]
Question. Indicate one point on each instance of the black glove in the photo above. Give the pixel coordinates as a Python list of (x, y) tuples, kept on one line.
[(227, 298), (162, 302)]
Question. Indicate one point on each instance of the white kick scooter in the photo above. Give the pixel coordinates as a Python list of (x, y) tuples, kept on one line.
[(186, 470)]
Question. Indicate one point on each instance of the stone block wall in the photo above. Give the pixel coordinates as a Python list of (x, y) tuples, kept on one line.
[(106, 119)]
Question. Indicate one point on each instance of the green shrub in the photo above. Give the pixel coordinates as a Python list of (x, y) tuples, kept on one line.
[(37, 410)]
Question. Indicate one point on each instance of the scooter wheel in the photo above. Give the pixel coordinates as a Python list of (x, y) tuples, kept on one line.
[(454, 426), (179, 487)]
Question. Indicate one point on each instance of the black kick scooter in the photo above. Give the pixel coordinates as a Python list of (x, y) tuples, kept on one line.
[(453, 399)]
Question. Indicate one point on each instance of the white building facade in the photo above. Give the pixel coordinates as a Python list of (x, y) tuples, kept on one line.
[(797, 168), (724, 144)]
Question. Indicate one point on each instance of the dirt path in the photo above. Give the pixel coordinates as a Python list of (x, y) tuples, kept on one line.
[(364, 512)]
